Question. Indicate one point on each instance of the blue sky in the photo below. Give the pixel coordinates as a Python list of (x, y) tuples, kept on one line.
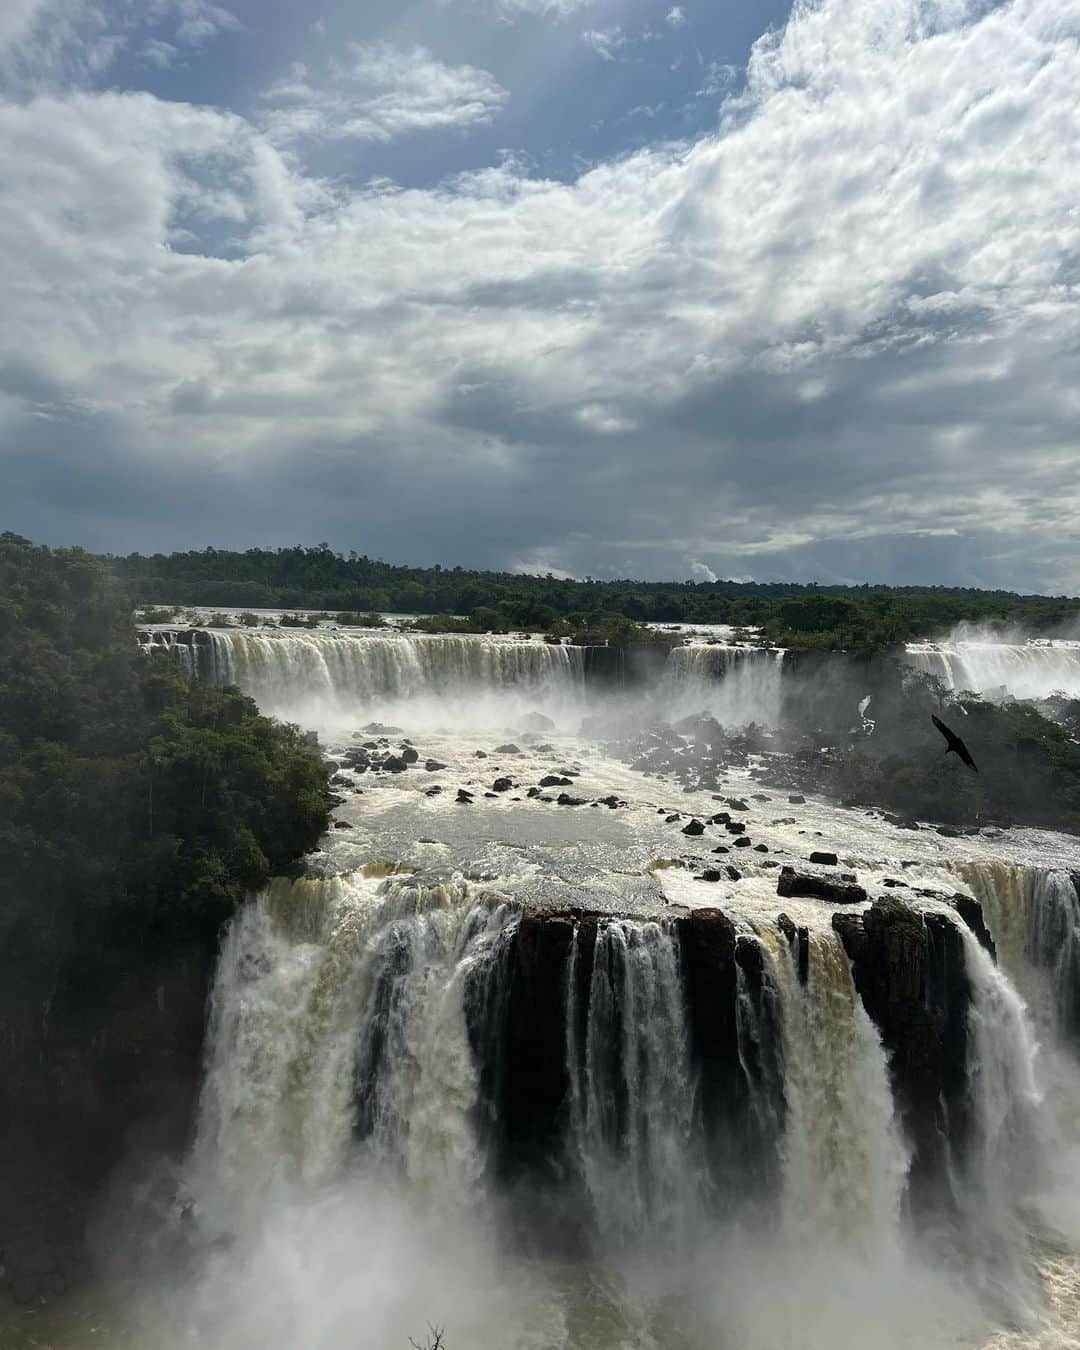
[(598, 286)]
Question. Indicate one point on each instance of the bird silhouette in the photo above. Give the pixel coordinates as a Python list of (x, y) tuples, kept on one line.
[(955, 744)]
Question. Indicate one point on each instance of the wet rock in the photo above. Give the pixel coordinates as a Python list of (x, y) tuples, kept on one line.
[(693, 827), (434, 766), (433, 791), (735, 826), (743, 841), (710, 874), (611, 802), (409, 754), (533, 792), (721, 848), (508, 749), (464, 797), (761, 848), (819, 887), (394, 764), (564, 799), (377, 729), (556, 780), (502, 785), (342, 825), (721, 818), (825, 859), (480, 754), (671, 819), (737, 804), (796, 799), (733, 873)]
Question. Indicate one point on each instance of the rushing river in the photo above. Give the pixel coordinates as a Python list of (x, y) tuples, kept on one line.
[(354, 1177)]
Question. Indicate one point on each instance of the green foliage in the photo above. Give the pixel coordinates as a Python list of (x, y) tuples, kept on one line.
[(859, 618), (1028, 765), (137, 807)]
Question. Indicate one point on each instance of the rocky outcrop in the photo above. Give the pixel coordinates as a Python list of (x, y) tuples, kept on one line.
[(820, 886), (909, 971)]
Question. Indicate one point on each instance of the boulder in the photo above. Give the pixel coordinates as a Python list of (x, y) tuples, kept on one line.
[(816, 886), (556, 780), (409, 754), (824, 858), (693, 827), (502, 785)]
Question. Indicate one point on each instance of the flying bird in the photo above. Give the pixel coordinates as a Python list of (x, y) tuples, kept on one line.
[(955, 744)]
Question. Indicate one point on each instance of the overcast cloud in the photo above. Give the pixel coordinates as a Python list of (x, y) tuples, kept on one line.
[(824, 324)]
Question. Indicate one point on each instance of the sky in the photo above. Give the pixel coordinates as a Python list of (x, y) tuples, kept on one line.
[(723, 288)]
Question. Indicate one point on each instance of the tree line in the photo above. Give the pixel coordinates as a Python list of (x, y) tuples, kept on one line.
[(789, 614)]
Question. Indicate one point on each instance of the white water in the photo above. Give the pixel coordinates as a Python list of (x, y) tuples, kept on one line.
[(341, 1178), (736, 685), (631, 1086), (1026, 670)]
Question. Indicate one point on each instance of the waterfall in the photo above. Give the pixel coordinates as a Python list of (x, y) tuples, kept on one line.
[(318, 676), (996, 669), (736, 685), (1033, 914), (631, 1086), (844, 1165), (339, 1011), (1003, 1173)]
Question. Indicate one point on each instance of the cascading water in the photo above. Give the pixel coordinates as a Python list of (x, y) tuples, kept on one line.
[(999, 669), (334, 677), (844, 1165), (631, 1085), (736, 685)]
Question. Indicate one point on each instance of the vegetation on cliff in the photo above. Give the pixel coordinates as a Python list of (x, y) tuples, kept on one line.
[(829, 617), (136, 807)]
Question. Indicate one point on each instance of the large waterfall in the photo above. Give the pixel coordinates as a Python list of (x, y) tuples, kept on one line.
[(333, 677), (1027, 670), (532, 1052), (735, 684)]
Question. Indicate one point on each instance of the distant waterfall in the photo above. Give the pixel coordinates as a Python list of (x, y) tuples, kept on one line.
[(996, 669), (736, 685), (320, 675), (631, 1085)]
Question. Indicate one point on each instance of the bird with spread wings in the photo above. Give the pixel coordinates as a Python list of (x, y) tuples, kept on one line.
[(955, 745)]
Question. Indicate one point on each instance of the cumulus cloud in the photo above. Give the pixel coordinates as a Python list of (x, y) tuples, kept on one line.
[(676, 16), (836, 337), (381, 92)]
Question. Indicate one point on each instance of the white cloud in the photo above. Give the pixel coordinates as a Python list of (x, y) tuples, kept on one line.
[(846, 319), (605, 42), (676, 16), (700, 571), (381, 92), (16, 17)]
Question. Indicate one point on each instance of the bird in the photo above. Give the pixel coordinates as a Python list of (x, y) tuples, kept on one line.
[(955, 744)]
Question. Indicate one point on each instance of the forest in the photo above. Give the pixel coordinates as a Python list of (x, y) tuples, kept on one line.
[(789, 614), (137, 807)]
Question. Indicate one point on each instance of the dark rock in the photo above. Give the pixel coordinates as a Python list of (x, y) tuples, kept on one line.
[(564, 799), (742, 842), (721, 818), (693, 827), (502, 784), (837, 892), (710, 874), (433, 791), (480, 754), (556, 780), (971, 912), (509, 749), (761, 848), (342, 825), (394, 764), (409, 754), (434, 766), (735, 826), (464, 797), (533, 792), (721, 848), (825, 859), (796, 800), (733, 873)]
